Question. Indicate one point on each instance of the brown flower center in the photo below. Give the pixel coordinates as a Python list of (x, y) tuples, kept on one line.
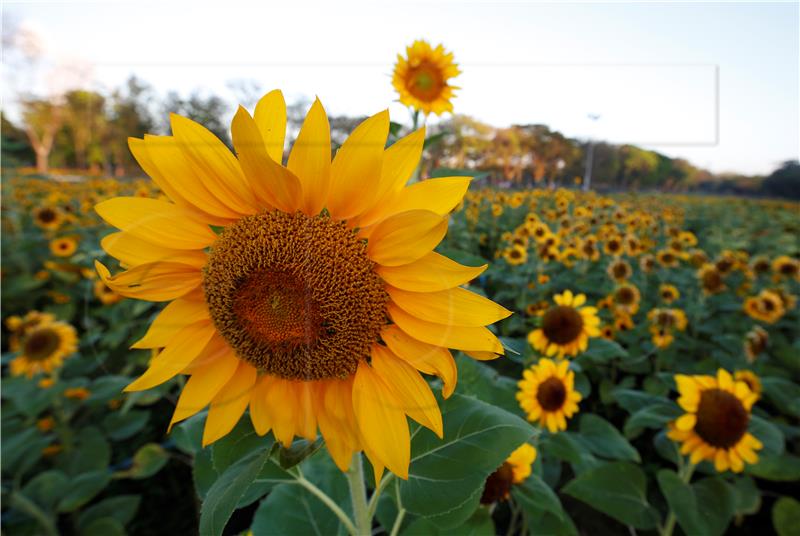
[(47, 215), (498, 485), (41, 344), (562, 324), (625, 296), (620, 270), (551, 394), (295, 296), (425, 81), (721, 418)]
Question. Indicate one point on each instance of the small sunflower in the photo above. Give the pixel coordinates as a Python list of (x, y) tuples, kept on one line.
[(48, 218), (515, 470), (750, 379), (755, 342), (664, 323), (626, 298), (422, 78), (566, 327), (64, 246), (760, 264), (667, 258), (619, 270), (767, 307), (318, 299), (711, 280), (613, 246), (43, 348), (714, 427), (622, 321), (669, 293), (647, 263), (547, 394), (515, 255), (786, 267)]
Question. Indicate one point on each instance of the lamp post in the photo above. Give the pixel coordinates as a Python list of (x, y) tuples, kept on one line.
[(587, 176)]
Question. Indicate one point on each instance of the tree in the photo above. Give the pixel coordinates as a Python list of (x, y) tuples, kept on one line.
[(42, 119), (129, 116), (84, 116), (208, 111), (784, 181)]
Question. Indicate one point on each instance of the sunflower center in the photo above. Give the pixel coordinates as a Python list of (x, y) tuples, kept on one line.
[(562, 324), (721, 418), (47, 215), (620, 271), (625, 296), (768, 305), (295, 296), (426, 81), (551, 394), (41, 344), (498, 485)]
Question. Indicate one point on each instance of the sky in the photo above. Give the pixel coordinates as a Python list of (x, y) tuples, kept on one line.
[(716, 83)]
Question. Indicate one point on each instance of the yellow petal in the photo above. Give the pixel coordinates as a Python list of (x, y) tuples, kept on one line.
[(725, 380), (132, 251), (157, 222), (187, 345), (271, 182), (310, 159), (162, 159), (381, 421), (337, 420), (306, 417), (408, 387), (175, 316), (455, 306), (425, 357), (214, 163), (156, 281), (270, 117), (281, 403), (357, 167), (686, 421), (203, 385), (481, 356), (405, 238), (437, 195), (461, 338), (721, 460), (259, 412), (399, 162), (229, 403), (430, 273)]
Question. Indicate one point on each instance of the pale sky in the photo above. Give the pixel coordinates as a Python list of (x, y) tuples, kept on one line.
[(716, 83)]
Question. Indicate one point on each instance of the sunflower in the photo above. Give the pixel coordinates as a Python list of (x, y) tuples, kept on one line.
[(619, 270), (663, 324), (714, 427), (566, 327), (49, 218), (750, 379), (515, 255), (697, 257), (786, 267), (607, 332), (755, 342), (767, 307), (421, 78), (319, 298), (540, 231), (667, 258), (515, 470), (626, 298), (647, 263), (63, 247), (710, 279), (760, 264), (547, 394), (43, 348), (613, 246), (668, 293)]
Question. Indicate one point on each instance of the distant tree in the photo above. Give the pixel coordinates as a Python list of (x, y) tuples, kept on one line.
[(129, 115), (15, 146), (210, 111), (84, 117), (637, 165), (42, 119), (784, 181), (246, 90)]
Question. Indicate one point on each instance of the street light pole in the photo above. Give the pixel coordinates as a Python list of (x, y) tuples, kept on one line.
[(587, 176)]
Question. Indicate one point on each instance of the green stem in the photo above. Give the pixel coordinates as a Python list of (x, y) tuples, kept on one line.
[(22, 503), (685, 473), (373, 501), (358, 495), (327, 501), (401, 513)]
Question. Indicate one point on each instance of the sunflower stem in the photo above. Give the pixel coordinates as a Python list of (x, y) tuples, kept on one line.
[(685, 472), (322, 496), (358, 494)]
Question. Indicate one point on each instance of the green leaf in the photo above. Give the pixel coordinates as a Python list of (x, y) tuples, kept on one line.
[(769, 434), (237, 444), (716, 504), (786, 516), (93, 452), (568, 447), (748, 496), (449, 474), (122, 508), (82, 489), (147, 461), (602, 351), (203, 473), (618, 490), (605, 440), (226, 492), (633, 400), (290, 509), (783, 393), (189, 433), (107, 526), (479, 524), (299, 451), (655, 416), (782, 468), (681, 500), (124, 425), (46, 488), (536, 496), (666, 447)]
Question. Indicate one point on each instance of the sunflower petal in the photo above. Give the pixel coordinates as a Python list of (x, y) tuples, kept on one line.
[(439, 195), (270, 117), (310, 159), (430, 273), (175, 316), (132, 251), (228, 405), (456, 306), (405, 238), (155, 281), (425, 357), (203, 385)]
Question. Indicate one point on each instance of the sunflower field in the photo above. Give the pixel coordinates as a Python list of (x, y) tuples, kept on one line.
[(235, 343)]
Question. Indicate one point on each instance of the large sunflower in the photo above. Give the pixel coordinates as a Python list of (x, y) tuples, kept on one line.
[(43, 347), (421, 78), (310, 292), (566, 327), (547, 394), (714, 427)]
